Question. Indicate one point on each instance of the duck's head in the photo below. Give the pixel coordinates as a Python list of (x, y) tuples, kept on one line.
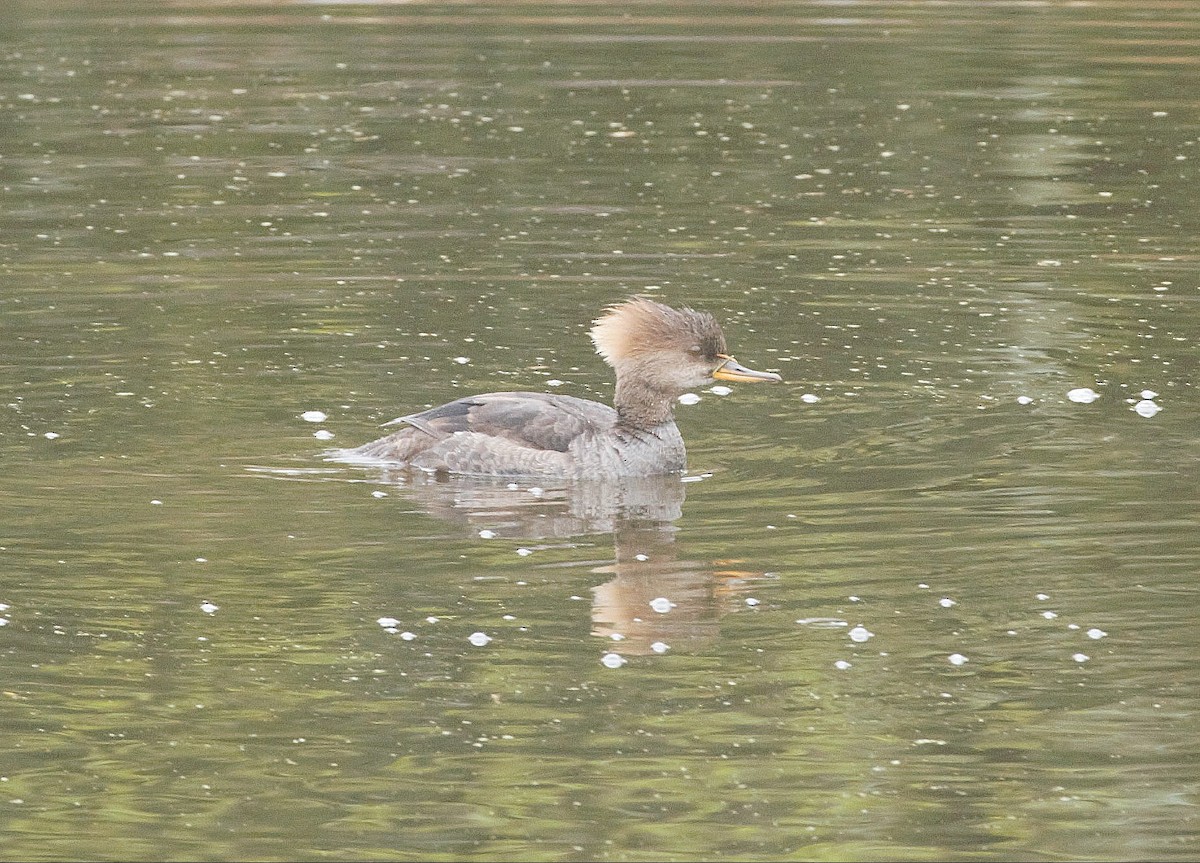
[(668, 350)]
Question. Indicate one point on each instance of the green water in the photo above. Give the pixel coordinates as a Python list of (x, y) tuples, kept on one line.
[(922, 605)]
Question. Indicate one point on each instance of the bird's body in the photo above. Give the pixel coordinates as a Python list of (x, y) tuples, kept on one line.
[(530, 434), (658, 353)]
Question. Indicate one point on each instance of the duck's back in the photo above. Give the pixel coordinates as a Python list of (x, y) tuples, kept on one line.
[(527, 434)]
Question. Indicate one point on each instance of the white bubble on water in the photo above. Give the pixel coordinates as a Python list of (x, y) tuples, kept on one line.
[(751, 601), (1080, 657), (957, 659), (720, 390), (613, 660), (479, 639), (378, 494), (209, 607), (524, 552), (1149, 394), (408, 636), (314, 416), (947, 602), (860, 634), (487, 534), (810, 398), (51, 435), (660, 647), (1083, 395), (1094, 632), (841, 665), (1146, 408), (1049, 615), (1024, 400), (387, 622), (323, 434), (689, 399), (661, 604)]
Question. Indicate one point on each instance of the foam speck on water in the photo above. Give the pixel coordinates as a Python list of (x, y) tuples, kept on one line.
[(1083, 395), (314, 416), (661, 604), (613, 660)]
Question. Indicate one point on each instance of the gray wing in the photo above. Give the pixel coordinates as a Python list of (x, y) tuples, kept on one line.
[(537, 420), (534, 421)]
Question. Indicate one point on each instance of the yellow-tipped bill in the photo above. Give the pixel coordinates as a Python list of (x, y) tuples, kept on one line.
[(732, 370)]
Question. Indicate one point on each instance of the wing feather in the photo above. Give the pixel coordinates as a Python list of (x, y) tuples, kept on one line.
[(537, 421)]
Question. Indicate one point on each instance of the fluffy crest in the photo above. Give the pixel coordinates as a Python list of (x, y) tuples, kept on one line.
[(641, 326)]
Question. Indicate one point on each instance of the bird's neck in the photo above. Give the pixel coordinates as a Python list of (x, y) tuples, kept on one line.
[(640, 406)]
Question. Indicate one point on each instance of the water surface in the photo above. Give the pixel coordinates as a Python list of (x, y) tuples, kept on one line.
[(915, 603)]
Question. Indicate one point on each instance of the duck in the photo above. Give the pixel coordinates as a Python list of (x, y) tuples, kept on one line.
[(657, 353)]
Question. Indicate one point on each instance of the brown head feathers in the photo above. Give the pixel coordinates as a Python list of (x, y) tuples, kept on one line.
[(640, 325)]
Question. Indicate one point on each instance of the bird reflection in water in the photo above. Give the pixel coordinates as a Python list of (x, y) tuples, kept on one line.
[(654, 599)]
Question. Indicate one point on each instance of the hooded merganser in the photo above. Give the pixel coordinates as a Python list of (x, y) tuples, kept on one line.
[(657, 352)]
